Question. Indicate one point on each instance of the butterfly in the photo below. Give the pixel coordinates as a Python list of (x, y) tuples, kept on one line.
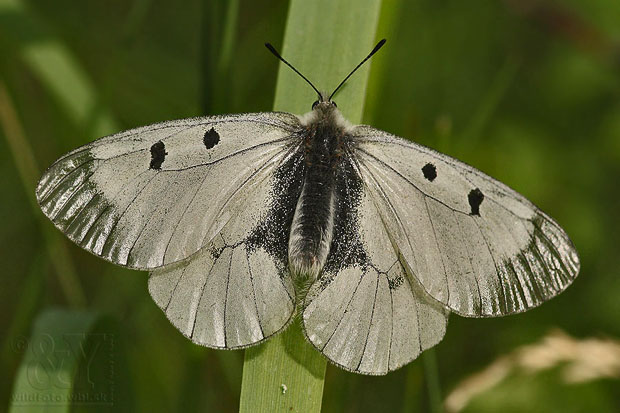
[(247, 221)]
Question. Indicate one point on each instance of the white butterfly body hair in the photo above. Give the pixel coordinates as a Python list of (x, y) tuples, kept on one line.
[(307, 255)]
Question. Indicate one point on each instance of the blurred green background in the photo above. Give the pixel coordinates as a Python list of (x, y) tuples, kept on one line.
[(526, 90)]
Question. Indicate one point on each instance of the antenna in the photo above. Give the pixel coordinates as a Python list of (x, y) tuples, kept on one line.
[(375, 50), (276, 54)]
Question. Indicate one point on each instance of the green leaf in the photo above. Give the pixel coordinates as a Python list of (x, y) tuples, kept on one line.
[(324, 40)]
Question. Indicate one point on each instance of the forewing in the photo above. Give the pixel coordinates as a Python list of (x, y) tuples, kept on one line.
[(155, 195), (237, 291), (474, 244), (365, 313)]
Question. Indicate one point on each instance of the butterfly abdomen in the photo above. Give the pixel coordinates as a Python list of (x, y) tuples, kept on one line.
[(312, 228)]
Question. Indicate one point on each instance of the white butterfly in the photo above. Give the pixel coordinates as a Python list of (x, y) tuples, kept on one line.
[(246, 220)]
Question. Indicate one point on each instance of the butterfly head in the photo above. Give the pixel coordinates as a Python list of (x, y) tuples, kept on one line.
[(324, 103), (324, 110)]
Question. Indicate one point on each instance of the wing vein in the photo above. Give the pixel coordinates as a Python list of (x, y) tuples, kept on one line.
[(173, 124), (51, 190), (443, 264), (553, 250), (395, 214), (232, 155), (417, 316), (252, 175), (479, 174), (103, 211), (260, 324), (372, 313), (125, 211), (80, 212), (344, 313), (202, 292), (174, 290), (438, 156), (226, 299), (409, 182), (471, 262), (198, 187), (497, 273), (391, 328), (148, 221)]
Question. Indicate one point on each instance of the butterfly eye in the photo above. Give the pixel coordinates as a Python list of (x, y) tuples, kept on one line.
[(316, 102), (334, 104)]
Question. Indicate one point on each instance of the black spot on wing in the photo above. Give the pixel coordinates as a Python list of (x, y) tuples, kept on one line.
[(211, 138), (429, 171), (158, 155), (475, 198)]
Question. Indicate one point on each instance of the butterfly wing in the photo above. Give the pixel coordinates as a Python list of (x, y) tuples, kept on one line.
[(201, 202), (474, 244), (366, 313), (155, 195), (237, 290)]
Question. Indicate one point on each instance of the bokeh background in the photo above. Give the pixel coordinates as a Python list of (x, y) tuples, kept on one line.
[(526, 90)]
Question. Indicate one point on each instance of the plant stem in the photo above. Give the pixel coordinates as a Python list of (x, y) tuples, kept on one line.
[(324, 39), (432, 380)]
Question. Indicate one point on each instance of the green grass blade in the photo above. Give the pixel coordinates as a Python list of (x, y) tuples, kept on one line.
[(220, 27), (23, 155), (228, 37), (324, 40), (387, 27), (431, 374), (284, 373)]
